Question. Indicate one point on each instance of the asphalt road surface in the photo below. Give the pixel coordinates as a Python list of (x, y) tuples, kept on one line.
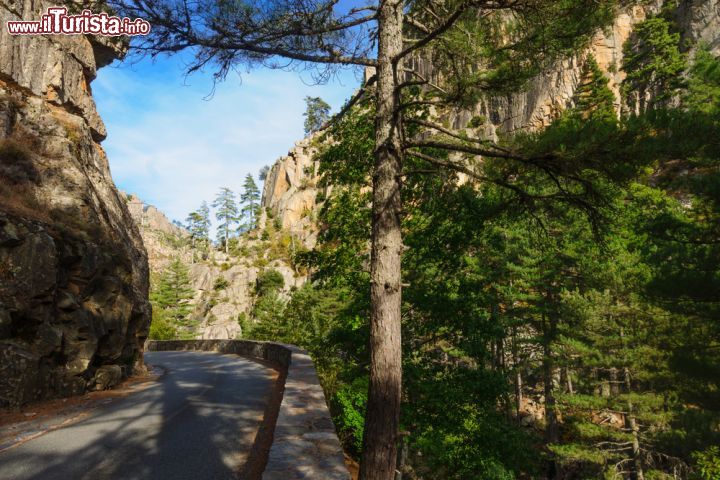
[(197, 422)]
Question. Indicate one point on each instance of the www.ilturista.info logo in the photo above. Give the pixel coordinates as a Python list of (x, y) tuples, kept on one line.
[(57, 22)]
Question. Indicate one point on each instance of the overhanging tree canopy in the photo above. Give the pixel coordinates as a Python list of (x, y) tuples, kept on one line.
[(514, 38)]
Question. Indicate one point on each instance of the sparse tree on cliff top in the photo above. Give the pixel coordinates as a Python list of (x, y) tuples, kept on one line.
[(198, 224), (204, 225), (226, 214), (250, 201), (264, 173), (317, 112), (517, 38)]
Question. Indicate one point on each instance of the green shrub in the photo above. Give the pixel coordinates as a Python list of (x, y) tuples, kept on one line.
[(477, 121), (220, 283), (708, 463), (350, 403), (269, 281), (160, 327), (242, 320), (212, 302), (267, 313)]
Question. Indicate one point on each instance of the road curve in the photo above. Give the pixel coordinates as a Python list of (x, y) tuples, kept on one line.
[(197, 423)]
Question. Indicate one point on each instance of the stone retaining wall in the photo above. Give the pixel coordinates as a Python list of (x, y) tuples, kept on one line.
[(305, 445)]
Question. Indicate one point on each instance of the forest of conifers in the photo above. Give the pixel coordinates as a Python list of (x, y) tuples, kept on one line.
[(558, 297), (542, 338)]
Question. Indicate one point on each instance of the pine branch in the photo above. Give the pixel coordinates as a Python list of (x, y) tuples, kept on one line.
[(450, 20), (470, 149), (449, 132)]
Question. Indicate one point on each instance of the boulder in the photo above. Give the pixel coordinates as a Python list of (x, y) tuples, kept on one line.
[(107, 377)]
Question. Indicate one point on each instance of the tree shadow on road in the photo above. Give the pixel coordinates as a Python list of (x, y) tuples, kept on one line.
[(199, 422)]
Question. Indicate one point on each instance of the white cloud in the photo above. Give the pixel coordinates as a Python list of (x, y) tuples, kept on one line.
[(174, 149)]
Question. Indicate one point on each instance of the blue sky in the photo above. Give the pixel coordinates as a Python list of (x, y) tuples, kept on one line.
[(174, 148)]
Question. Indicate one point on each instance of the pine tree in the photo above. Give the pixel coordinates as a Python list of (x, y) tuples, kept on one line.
[(262, 175), (703, 92), (653, 63), (518, 38), (204, 225), (593, 97), (198, 224), (250, 201), (226, 214), (317, 112), (172, 295)]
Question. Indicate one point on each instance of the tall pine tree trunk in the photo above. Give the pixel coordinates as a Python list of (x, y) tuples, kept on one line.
[(631, 424), (552, 429), (637, 472), (551, 421), (518, 375), (383, 408), (568, 381)]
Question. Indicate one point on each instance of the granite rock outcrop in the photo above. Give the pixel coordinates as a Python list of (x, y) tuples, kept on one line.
[(73, 269)]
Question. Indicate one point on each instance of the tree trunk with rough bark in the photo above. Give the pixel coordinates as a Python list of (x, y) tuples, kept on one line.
[(383, 408), (518, 375), (637, 471), (227, 236), (552, 429)]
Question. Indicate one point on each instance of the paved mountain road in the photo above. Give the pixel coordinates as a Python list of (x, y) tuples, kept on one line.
[(197, 422)]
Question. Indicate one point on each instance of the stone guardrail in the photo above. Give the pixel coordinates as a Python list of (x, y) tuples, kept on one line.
[(305, 445)]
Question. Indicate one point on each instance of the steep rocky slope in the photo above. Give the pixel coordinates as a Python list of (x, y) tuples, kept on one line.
[(223, 284), (700, 20), (164, 241), (551, 93), (73, 270), (290, 189)]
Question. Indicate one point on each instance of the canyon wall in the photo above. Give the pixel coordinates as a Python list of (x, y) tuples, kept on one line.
[(290, 189), (73, 269), (552, 92), (164, 240), (223, 285)]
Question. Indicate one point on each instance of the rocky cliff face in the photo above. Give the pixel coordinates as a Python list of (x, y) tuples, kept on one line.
[(700, 20), (223, 285), (552, 92), (73, 270), (164, 241), (290, 191), (225, 288)]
